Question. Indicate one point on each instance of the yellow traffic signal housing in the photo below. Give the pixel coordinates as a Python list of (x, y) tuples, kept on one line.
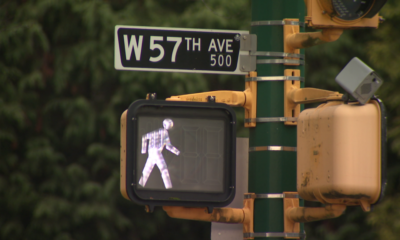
[(341, 153), (343, 13)]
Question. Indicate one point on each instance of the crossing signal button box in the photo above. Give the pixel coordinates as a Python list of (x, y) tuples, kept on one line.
[(178, 153), (341, 155)]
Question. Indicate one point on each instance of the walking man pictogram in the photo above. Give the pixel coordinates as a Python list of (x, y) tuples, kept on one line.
[(156, 141)]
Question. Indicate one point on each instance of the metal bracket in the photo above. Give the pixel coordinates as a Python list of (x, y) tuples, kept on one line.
[(277, 23), (273, 148), (151, 96), (274, 78), (248, 207), (270, 119), (248, 42), (289, 225), (272, 195), (280, 61), (291, 228), (243, 215), (291, 110), (246, 99), (248, 63), (274, 235), (251, 110), (289, 30), (276, 54), (310, 214), (294, 96)]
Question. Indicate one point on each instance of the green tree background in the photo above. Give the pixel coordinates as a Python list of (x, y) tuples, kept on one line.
[(61, 100)]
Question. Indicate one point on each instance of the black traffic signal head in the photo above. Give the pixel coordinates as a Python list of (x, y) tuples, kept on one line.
[(178, 153)]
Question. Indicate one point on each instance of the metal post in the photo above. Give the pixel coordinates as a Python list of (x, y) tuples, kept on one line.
[(272, 170)]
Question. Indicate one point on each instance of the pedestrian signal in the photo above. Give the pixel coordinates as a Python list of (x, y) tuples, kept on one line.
[(341, 153), (178, 153), (343, 13)]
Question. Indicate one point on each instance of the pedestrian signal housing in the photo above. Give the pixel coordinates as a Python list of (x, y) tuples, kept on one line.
[(343, 13), (178, 153), (341, 153)]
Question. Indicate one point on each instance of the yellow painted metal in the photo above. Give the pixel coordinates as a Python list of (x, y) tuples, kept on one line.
[(339, 154), (290, 30), (366, 207), (319, 15), (246, 99), (232, 98), (289, 225), (294, 96), (248, 207), (250, 110), (309, 214), (291, 109), (309, 39), (224, 215), (122, 182), (310, 95)]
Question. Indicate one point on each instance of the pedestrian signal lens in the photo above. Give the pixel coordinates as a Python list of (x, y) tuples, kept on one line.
[(178, 153)]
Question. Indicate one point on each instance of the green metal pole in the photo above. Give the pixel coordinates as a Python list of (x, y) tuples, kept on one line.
[(272, 171)]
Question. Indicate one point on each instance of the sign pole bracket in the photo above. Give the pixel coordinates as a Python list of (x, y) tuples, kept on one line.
[(243, 215), (246, 99)]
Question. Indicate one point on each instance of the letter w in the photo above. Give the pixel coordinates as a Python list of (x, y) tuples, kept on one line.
[(133, 43)]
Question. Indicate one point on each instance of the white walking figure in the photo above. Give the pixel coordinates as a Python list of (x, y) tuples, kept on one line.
[(157, 140)]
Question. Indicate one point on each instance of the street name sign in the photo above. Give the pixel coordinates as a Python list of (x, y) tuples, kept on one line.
[(178, 50)]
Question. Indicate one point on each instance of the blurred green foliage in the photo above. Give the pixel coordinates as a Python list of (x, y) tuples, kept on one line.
[(61, 100)]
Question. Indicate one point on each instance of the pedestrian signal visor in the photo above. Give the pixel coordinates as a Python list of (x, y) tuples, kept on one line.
[(341, 153), (178, 153)]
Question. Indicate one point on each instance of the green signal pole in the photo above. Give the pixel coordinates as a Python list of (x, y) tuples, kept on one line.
[(272, 172)]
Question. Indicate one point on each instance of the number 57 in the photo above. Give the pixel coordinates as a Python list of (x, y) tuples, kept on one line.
[(154, 46)]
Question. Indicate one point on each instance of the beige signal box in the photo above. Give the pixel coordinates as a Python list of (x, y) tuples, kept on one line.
[(340, 154)]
